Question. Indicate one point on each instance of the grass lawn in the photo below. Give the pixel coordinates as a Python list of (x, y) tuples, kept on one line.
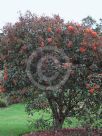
[(13, 120)]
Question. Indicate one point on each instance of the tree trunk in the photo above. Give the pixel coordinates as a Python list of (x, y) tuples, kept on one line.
[(58, 116), (58, 123)]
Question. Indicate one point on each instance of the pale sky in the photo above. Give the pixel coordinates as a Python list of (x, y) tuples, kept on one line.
[(74, 10)]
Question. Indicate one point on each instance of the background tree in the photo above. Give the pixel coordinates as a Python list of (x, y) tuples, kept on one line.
[(89, 21)]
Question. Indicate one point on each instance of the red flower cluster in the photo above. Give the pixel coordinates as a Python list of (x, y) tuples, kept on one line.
[(49, 40), (82, 49), (71, 28), (49, 29), (91, 32), (93, 88)]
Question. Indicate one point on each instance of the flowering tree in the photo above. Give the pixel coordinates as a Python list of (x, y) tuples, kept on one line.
[(80, 44)]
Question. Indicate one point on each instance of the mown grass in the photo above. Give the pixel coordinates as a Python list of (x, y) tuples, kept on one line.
[(14, 120)]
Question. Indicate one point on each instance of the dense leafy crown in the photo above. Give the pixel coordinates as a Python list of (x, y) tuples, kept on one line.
[(81, 43)]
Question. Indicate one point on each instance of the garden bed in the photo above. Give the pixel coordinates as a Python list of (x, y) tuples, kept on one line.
[(68, 132)]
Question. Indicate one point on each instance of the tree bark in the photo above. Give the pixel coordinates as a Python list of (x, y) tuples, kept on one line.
[(58, 123), (58, 117)]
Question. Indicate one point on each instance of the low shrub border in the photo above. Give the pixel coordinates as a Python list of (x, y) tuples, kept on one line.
[(68, 132)]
